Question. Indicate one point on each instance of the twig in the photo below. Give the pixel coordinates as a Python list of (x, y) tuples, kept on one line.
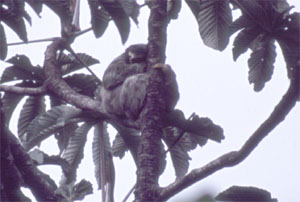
[(33, 41), (76, 34), (83, 63), (235, 157), (178, 138), (129, 193)]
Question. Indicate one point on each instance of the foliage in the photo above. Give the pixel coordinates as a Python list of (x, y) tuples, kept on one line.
[(260, 25)]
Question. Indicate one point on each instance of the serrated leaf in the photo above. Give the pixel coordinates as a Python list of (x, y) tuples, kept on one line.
[(214, 18), (36, 5), (201, 141), (11, 100), (82, 83), (49, 123), (178, 151), (243, 41), (131, 139), (104, 167), (63, 136), (33, 106), (3, 43), (132, 9), (119, 147), (13, 15), (261, 63), (22, 69), (82, 189), (99, 18), (238, 193), (74, 151), (27, 17), (240, 23), (119, 16), (194, 5), (75, 65), (205, 128)]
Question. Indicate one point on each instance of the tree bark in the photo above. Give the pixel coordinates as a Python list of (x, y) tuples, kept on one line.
[(149, 152)]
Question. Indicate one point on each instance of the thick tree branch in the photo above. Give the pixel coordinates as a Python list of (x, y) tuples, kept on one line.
[(39, 183), (10, 177), (23, 90), (58, 86), (235, 157), (151, 117)]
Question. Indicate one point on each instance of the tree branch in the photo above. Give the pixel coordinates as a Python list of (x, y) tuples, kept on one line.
[(41, 185), (233, 158), (23, 90), (10, 177), (58, 86), (33, 41), (151, 116)]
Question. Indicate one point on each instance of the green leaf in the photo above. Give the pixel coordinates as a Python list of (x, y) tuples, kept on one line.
[(132, 9), (119, 16), (214, 18), (261, 63), (63, 136), (82, 83), (205, 128), (179, 151), (13, 15), (243, 41), (82, 189), (99, 18), (70, 64), (34, 106), (119, 147), (22, 69), (240, 23), (102, 156), (238, 194), (126, 139), (11, 100), (194, 5), (3, 44), (74, 151), (49, 123), (36, 5)]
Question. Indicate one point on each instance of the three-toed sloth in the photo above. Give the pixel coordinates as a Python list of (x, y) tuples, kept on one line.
[(124, 84)]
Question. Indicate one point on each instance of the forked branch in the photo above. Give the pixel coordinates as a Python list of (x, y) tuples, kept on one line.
[(233, 158), (58, 86)]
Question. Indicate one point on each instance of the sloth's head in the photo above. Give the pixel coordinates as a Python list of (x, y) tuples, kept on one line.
[(136, 53)]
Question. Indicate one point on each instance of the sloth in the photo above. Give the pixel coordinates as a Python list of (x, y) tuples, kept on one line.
[(124, 84)]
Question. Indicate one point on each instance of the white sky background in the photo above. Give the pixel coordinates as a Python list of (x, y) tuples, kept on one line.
[(210, 84)]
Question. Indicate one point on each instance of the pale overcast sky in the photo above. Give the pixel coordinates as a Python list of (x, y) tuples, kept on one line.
[(210, 84)]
